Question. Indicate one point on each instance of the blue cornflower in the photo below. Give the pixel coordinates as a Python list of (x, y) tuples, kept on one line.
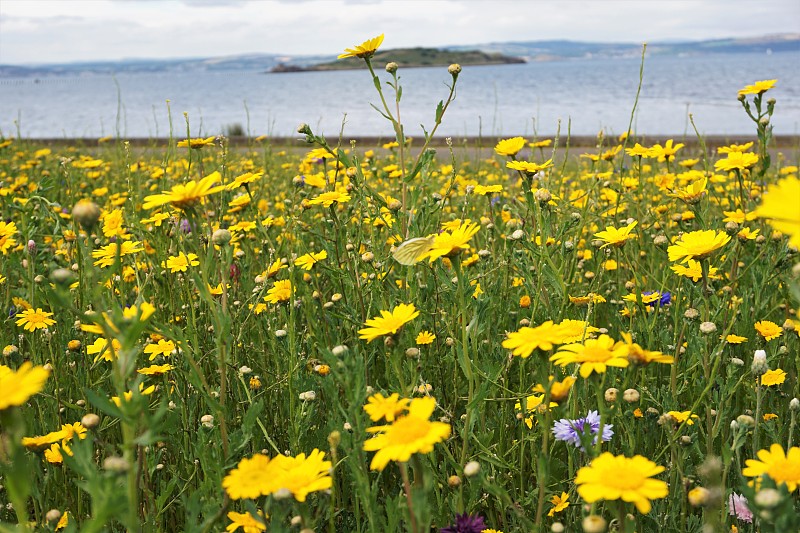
[(572, 431)]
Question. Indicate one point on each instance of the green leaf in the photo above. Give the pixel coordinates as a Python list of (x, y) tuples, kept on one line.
[(423, 163), (439, 111), (102, 403)]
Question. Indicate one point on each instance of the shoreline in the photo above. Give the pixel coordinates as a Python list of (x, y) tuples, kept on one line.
[(577, 141)]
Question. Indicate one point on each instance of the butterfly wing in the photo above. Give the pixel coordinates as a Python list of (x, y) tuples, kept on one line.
[(410, 251)]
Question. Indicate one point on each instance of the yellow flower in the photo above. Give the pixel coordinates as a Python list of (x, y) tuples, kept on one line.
[(63, 522), (559, 503), (364, 50), (616, 237), (737, 160), (735, 148), (107, 255), (378, 407), (450, 243), (528, 167), (586, 300), (163, 347), (639, 356), (767, 329), (783, 468), (301, 475), (425, 337), (783, 215), (733, 339), (246, 521), (195, 143), (33, 320), (758, 87), (682, 416), (389, 322), (128, 395), (638, 151), (697, 245), (102, 350), (155, 370), (527, 339), (326, 199), (533, 403), (181, 262), (16, 387), (594, 355), (695, 271), (692, 193), (613, 478), (409, 434), (185, 195), (307, 261), (510, 147), (487, 189), (666, 152), (281, 291), (773, 377), (250, 479), (570, 330), (7, 232), (559, 390)]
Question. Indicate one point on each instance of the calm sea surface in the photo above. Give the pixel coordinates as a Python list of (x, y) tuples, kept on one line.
[(491, 100)]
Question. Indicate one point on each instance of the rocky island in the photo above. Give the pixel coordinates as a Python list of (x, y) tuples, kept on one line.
[(409, 58)]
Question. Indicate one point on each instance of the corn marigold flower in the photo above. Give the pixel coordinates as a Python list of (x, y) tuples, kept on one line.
[(510, 147), (523, 342), (196, 143), (697, 245), (102, 350), (107, 255), (155, 370), (782, 467), (666, 152), (682, 416), (389, 322), (638, 151), (559, 503), (639, 356), (327, 199), (7, 232), (773, 377), (759, 87), (628, 478), (616, 236), (781, 214), (16, 387), (737, 161), (528, 167), (364, 50), (186, 195), (31, 319), (425, 337), (692, 193), (594, 355), (180, 262), (733, 339), (280, 291), (162, 347), (694, 271), (768, 329), (559, 390), (533, 403), (128, 395), (407, 435), (452, 242), (307, 261), (379, 408), (246, 521)]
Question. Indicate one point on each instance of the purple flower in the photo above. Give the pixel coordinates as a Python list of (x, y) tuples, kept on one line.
[(737, 506), (572, 431), (466, 524), (185, 226)]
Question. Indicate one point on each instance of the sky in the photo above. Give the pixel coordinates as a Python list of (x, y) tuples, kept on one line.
[(63, 31)]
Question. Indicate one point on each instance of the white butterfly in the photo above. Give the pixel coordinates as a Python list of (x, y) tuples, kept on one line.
[(413, 250)]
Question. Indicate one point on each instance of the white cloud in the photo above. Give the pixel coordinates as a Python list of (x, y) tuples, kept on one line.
[(42, 31)]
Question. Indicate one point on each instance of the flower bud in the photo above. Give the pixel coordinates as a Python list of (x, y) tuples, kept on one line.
[(708, 327), (90, 421), (52, 515), (221, 237), (767, 498), (207, 421), (391, 67), (454, 70), (115, 464), (631, 395), (746, 421), (611, 394), (472, 468), (594, 524), (453, 481), (759, 366), (86, 213)]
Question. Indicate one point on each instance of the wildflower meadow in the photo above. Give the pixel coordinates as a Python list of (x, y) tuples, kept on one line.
[(414, 336)]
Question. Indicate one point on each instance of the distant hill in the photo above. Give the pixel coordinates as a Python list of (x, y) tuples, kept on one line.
[(410, 58), (570, 50), (488, 53)]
